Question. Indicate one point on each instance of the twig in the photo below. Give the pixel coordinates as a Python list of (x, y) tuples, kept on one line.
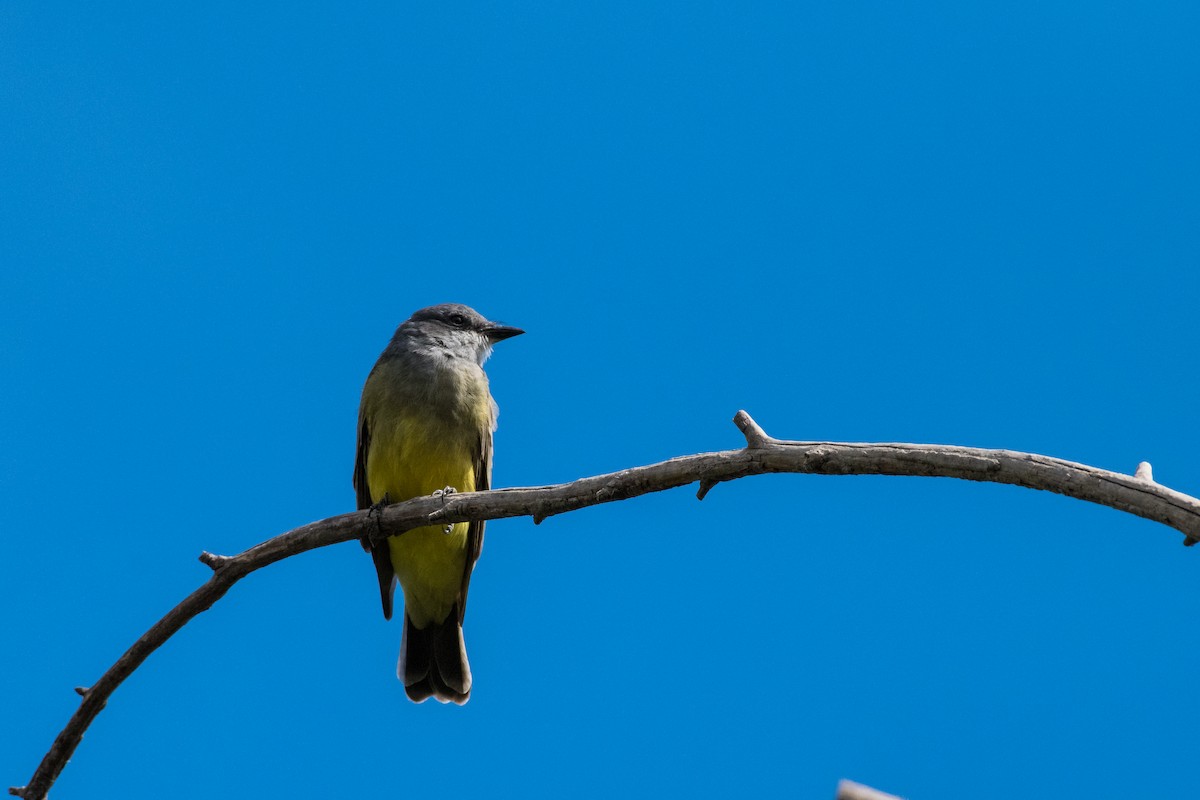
[(1137, 495), (849, 790)]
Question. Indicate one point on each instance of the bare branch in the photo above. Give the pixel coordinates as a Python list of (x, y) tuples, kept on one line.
[(1135, 494), (849, 790)]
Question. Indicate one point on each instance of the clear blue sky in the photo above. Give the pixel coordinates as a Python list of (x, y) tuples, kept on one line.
[(932, 222)]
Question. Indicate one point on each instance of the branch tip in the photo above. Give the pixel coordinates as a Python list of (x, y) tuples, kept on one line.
[(213, 561), (538, 519), (706, 485), (1144, 472), (849, 790), (755, 436), (17, 791), (1190, 541), (82, 691)]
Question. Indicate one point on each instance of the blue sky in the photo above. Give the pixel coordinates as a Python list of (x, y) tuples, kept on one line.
[(931, 222)]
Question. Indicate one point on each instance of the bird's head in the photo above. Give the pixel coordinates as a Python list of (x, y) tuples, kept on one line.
[(458, 329)]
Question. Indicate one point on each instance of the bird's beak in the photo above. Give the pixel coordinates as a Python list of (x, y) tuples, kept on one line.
[(498, 333)]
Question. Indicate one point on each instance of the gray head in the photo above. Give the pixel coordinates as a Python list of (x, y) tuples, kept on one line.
[(454, 330)]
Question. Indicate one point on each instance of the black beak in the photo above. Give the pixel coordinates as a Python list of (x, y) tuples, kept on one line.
[(498, 333)]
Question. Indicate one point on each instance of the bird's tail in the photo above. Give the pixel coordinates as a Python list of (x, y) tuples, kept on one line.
[(433, 661)]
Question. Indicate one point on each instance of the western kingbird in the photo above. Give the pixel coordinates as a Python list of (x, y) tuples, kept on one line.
[(425, 425)]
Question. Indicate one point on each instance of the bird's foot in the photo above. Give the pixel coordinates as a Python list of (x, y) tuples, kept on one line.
[(375, 514), (444, 493)]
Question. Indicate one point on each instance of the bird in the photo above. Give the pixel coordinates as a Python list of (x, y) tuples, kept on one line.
[(425, 426)]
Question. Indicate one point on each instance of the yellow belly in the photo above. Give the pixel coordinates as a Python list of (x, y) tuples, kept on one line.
[(408, 459)]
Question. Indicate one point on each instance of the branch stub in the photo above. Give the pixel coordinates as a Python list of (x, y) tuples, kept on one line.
[(755, 436), (213, 561)]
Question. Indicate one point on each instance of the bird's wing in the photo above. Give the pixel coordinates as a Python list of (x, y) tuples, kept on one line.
[(361, 448), (483, 481), (379, 550)]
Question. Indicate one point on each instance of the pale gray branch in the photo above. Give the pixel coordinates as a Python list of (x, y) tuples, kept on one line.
[(1138, 495), (849, 790)]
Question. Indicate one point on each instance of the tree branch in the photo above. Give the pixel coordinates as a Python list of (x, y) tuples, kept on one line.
[(849, 790), (1137, 494)]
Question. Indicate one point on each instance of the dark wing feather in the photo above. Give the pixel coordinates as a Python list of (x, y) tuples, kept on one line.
[(379, 552), (361, 490), (483, 480)]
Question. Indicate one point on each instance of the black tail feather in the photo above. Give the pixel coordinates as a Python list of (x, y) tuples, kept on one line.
[(433, 661)]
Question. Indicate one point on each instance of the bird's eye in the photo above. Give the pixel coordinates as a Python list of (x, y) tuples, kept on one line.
[(458, 320)]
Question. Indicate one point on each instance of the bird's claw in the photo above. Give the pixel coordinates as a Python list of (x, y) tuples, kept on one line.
[(377, 508), (444, 493), (375, 514)]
